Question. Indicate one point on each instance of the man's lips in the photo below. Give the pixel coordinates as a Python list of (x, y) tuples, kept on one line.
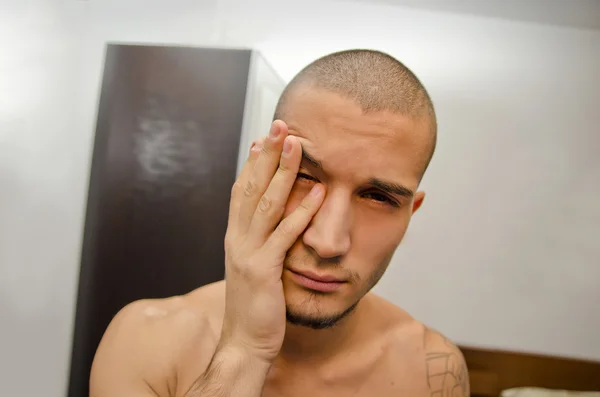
[(317, 282), (322, 278)]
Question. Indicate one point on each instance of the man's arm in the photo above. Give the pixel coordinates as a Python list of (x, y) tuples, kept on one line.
[(230, 373), (130, 352), (447, 374), (141, 348), (143, 345)]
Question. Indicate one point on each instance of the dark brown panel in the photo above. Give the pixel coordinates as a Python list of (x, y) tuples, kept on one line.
[(492, 371), (164, 160)]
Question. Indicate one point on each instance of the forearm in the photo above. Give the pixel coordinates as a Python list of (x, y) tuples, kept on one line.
[(231, 373)]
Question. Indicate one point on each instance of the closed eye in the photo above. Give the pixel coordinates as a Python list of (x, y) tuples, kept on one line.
[(307, 177)]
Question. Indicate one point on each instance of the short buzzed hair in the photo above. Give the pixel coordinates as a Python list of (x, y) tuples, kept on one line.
[(375, 80)]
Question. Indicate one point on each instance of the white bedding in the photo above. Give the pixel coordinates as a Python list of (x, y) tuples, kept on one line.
[(539, 392)]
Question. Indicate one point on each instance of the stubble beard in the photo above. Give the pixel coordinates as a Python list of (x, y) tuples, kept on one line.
[(318, 320)]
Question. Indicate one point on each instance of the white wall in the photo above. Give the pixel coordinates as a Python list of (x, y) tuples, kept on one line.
[(42, 193), (502, 253)]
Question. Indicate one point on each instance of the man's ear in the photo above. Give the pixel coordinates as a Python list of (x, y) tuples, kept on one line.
[(418, 200)]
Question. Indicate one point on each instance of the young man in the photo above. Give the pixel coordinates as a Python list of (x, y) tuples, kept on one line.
[(315, 216)]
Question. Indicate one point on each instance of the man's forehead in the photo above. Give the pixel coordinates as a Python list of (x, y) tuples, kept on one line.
[(336, 131), (330, 116)]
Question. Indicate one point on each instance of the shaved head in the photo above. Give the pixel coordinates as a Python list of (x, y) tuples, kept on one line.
[(376, 81)]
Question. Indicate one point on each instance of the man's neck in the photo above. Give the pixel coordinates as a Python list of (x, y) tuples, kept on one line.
[(304, 344)]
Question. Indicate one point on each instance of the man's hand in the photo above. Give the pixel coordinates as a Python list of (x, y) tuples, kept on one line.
[(257, 240)]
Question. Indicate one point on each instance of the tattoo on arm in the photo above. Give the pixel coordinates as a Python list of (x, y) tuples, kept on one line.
[(447, 374)]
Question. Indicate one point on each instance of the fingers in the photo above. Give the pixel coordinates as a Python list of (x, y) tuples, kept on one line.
[(237, 191), (272, 203), (295, 223), (259, 178)]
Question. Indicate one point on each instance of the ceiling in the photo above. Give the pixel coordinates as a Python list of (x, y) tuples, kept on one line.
[(582, 14)]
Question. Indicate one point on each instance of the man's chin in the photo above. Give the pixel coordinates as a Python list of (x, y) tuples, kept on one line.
[(313, 309), (318, 320)]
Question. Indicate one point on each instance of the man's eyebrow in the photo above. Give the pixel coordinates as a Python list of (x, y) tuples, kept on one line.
[(311, 160), (385, 186), (391, 187)]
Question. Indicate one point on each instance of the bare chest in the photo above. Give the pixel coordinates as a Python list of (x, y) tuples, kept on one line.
[(391, 378)]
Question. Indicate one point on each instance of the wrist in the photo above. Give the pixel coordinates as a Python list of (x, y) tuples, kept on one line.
[(232, 372), (244, 356)]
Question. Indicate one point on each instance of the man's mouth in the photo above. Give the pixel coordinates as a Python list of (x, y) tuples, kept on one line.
[(317, 282)]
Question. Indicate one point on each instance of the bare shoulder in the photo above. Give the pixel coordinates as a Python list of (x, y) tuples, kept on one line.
[(404, 330), (423, 353), (447, 373), (142, 348)]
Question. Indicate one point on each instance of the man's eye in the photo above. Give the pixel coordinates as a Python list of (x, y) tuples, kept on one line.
[(307, 177), (380, 198)]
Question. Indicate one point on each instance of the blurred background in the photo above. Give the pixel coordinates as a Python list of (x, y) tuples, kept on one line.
[(504, 253)]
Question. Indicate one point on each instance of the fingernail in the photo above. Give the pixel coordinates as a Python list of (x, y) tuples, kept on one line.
[(256, 146), (316, 190), (287, 145), (274, 130)]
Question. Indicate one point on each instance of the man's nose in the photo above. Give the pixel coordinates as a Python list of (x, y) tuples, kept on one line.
[(329, 232)]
